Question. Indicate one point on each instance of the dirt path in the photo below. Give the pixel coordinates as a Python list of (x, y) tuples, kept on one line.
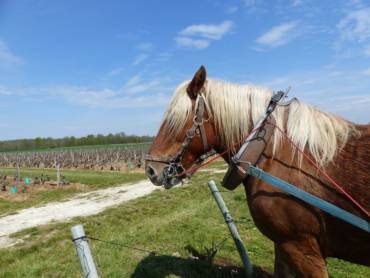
[(81, 205)]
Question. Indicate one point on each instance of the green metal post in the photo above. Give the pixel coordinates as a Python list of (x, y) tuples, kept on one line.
[(232, 228)]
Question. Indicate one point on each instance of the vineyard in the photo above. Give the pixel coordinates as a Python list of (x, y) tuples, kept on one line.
[(115, 157)]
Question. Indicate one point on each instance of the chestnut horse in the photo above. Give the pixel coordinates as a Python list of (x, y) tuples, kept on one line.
[(303, 235)]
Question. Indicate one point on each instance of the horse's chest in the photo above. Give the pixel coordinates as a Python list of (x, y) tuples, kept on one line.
[(278, 215)]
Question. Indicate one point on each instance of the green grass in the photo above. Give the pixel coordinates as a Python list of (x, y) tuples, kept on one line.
[(165, 221), (92, 179), (218, 164)]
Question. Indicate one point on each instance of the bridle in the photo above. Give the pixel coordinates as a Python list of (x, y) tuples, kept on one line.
[(174, 168)]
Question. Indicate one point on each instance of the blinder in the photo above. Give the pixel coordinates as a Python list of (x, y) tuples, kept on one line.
[(250, 153)]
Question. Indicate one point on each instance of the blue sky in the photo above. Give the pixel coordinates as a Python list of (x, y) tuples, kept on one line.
[(81, 67)]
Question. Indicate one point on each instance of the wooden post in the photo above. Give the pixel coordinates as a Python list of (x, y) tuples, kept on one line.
[(129, 165), (17, 176), (83, 251), (232, 228), (58, 174)]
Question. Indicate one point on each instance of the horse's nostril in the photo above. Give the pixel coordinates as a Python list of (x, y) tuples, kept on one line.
[(150, 172)]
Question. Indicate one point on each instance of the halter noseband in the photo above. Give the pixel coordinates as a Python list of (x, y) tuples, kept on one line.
[(175, 167)]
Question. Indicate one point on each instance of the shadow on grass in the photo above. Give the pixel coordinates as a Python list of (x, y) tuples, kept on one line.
[(158, 266)]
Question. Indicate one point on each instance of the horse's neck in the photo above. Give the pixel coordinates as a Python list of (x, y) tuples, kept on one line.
[(350, 169)]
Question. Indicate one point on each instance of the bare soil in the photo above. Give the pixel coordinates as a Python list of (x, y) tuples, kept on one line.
[(32, 189)]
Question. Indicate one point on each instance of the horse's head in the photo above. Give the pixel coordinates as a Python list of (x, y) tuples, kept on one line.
[(186, 133)]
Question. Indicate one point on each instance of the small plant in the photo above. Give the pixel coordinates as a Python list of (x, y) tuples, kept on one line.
[(36, 180), (44, 178), (63, 180), (4, 184), (208, 254)]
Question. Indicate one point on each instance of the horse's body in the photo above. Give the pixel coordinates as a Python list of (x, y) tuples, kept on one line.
[(303, 235)]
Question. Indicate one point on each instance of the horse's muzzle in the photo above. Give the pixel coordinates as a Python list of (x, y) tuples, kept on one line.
[(153, 176), (167, 178)]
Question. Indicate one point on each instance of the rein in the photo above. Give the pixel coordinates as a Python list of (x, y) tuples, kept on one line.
[(175, 168)]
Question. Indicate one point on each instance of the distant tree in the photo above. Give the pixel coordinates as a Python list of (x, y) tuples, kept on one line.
[(91, 139)]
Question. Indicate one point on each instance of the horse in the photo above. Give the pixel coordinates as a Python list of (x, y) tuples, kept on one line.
[(303, 235)]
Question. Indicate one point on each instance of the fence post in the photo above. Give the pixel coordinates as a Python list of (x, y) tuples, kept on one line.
[(58, 174), (232, 228), (17, 176), (83, 251)]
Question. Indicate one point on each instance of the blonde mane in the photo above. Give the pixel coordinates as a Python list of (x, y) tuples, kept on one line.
[(235, 109)]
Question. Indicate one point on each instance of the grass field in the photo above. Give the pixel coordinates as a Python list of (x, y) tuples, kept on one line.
[(174, 223), (91, 179)]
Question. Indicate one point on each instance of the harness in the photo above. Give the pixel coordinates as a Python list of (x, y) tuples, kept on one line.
[(254, 145), (175, 169)]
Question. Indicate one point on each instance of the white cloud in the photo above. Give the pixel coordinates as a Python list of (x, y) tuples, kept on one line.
[(210, 31), (252, 3), (139, 91), (115, 72), (142, 87), (133, 80), (7, 57), (366, 72), (4, 91), (200, 36), (231, 9), (164, 56), (296, 3), (106, 98), (367, 50), (139, 59), (254, 6), (336, 73), (355, 3), (346, 94), (355, 26), (135, 93), (278, 35), (192, 43), (354, 33), (136, 85), (147, 46), (85, 96)]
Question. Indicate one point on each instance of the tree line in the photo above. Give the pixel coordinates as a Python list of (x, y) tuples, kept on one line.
[(49, 143)]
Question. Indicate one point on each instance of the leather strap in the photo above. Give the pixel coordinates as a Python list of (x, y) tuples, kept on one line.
[(249, 154)]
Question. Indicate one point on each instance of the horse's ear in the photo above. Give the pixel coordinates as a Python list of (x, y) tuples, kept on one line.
[(197, 83)]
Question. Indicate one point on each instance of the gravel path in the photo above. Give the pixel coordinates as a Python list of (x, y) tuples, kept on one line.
[(81, 205)]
